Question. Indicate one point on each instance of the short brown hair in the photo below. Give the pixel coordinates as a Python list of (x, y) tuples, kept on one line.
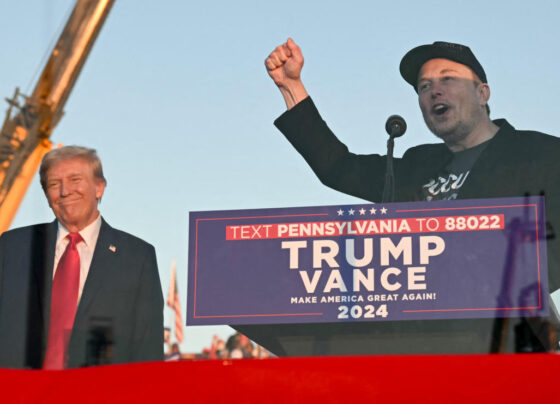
[(67, 153)]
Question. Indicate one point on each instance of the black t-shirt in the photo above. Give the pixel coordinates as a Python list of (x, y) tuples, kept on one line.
[(448, 181)]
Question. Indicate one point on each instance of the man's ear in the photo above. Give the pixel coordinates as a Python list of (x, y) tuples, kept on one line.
[(99, 189), (483, 91)]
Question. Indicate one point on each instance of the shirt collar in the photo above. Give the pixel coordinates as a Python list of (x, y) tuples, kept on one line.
[(89, 233)]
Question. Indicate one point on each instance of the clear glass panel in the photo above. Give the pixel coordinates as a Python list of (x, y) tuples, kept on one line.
[(175, 99)]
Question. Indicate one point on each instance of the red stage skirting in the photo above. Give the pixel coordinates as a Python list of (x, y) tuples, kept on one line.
[(435, 379)]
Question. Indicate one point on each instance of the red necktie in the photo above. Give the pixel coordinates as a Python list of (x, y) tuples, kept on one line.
[(64, 301)]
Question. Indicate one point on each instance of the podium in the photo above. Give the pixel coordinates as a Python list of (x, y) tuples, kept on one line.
[(467, 336), (447, 277)]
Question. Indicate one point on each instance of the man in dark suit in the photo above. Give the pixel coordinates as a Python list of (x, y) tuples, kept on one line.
[(76, 292)]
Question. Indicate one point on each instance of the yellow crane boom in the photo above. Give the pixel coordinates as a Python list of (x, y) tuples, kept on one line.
[(30, 120)]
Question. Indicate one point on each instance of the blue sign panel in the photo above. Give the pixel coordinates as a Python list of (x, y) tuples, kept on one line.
[(371, 262)]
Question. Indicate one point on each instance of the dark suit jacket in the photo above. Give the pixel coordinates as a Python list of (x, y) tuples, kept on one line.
[(121, 298), (515, 163)]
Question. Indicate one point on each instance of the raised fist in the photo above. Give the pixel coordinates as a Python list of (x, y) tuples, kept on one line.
[(284, 64)]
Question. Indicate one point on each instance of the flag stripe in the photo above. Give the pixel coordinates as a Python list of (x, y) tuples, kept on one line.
[(175, 304), (178, 319)]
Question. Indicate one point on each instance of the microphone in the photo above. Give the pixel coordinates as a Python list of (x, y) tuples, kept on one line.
[(395, 126)]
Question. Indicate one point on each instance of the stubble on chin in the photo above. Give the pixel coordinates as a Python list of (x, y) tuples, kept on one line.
[(454, 136)]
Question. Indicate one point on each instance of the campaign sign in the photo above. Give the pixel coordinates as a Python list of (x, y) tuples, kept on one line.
[(373, 262)]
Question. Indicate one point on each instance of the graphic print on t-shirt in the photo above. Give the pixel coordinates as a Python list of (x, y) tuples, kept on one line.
[(450, 179), (444, 188)]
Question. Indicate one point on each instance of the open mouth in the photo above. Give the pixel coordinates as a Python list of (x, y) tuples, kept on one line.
[(439, 109)]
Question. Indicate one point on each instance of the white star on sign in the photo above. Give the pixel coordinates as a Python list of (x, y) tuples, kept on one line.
[(362, 211), (372, 211), (351, 212), (340, 212), (383, 210)]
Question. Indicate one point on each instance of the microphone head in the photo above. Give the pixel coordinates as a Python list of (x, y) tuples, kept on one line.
[(395, 126)]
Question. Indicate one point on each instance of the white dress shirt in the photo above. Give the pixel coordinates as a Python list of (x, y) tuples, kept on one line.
[(89, 234)]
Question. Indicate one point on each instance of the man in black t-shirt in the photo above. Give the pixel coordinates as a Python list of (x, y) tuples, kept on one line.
[(453, 94), (479, 158)]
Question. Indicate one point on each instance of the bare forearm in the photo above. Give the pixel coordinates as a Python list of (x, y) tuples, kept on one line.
[(293, 93)]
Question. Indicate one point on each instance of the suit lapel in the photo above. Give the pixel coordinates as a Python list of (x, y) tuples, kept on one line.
[(99, 270)]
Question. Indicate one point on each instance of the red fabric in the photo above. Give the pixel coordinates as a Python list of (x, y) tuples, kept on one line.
[(64, 302), (413, 379)]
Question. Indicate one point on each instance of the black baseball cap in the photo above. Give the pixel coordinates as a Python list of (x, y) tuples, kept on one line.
[(413, 61)]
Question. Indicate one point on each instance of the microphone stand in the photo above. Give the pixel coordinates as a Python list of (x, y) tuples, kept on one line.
[(389, 188)]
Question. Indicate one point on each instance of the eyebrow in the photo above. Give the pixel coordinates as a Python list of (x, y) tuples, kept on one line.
[(70, 175), (444, 71)]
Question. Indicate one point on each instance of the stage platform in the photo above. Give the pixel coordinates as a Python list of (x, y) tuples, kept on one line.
[(520, 378)]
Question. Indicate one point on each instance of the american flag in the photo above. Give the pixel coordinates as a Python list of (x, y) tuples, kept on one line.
[(173, 302)]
